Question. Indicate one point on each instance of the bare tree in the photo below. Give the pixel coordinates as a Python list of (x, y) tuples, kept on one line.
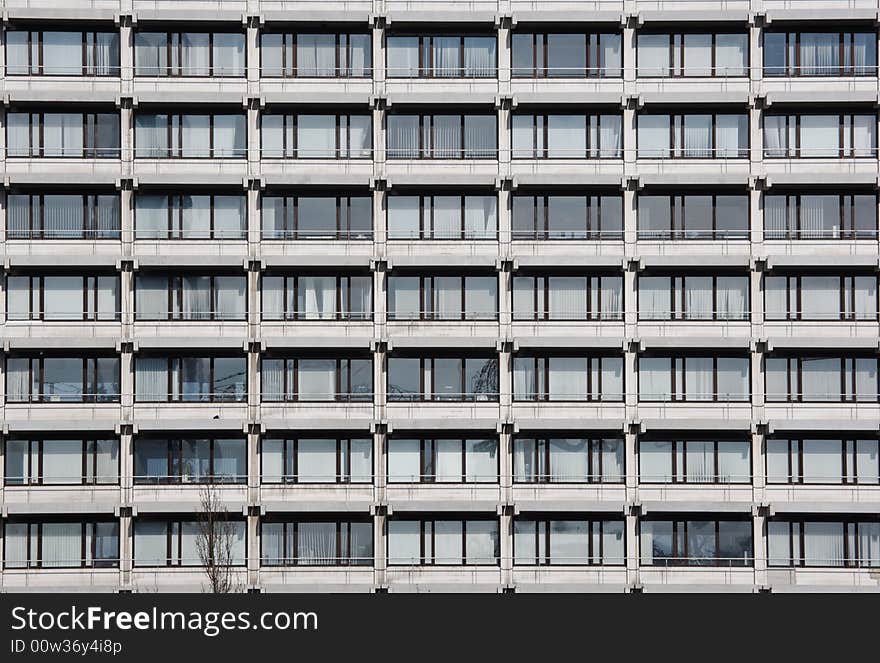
[(215, 543)]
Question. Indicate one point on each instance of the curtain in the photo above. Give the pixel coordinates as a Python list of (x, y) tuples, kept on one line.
[(62, 544), (779, 543), (62, 461), (653, 55), (819, 53), (566, 136), (612, 378), (653, 136), (228, 54), (698, 136), (820, 216), (698, 55), (317, 379), (777, 217), (655, 379), (777, 462), (18, 135), (446, 57), (731, 136), (229, 136), (775, 135), (569, 460), (481, 541), (316, 461), (567, 379), (360, 137), (820, 136), (106, 54), (446, 136), (151, 379), (481, 297), (404, 464), (864, 136), (820, 297), (699, 374), (655, 461), (230, 297), (523, 138), (655, 298), (316, 55), (820, 379), (63, 134), (822, 461), (195, 379), (865, 297), (151, 217), (63, 297), (18, 383), (480, 136), (700, 461), (403, 57), (272, 544), (609, 137), (448, 542), (403, 217), (316, 136), (446, 222), (480, 217), (17, 56), (524, 460), (524, 379), (733, 378), (361, 461), (272, 372), (823, 544), (731, 295), (481, 461), (196, 301), (404, 542), (569, 542), (150, 53), (360, 56), (448, 466), (62, 53), (864, 53), (151, 136), (609, 56), (317, 297), (196, 58), (479, 57), (403, 136), (195, 217), (524, 298), (566, 55), (567, 298), (403, 297), (272, 461), (150, 543), (229, 217), (106, 461), (731, 54), (869, 544), (698, 297)]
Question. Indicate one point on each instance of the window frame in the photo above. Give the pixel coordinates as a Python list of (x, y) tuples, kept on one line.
[(89, 380), (88, 454), (289, 458), (174, 459), (342, 373), (174, 364), (428, 460), (174, 49), (290, 67), (35, 529), (425, 396)]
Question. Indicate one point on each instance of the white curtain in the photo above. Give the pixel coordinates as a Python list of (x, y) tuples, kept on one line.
[(698, 297), (151, 379), (403, 297), (446, 217), (404, 542), (612, 378), (447, 303), (448, 467), (820, 53), (196, 54), (404, 461), (63, 134), (317, 297), (481, 539), (106, 54), (567, 298), (229, 217), (698, 136), (775, 135), (403, 136), (403, 217), (609, 55), (446, 55), (865, 297), (446, 137), (228, 54), (62, 461), (655, 379), (820, 379), (196, 303), (609, 137), (697, 55), (820, 297), (567, 379), (568, 460), (316, 460), (523, 138), (700, 461), (653, 136), (316, 136), (655, 461), (447, 542), (566, 136), (272, 371), (699, 375), (733, 378), (229, 293), (229, 136), (823, 544), (820, 216), (777, 217), (62, 544), (317, 543), (360, 55), (777, 462), (731, 295), (864, 53), (869, 544), (150, 543), (864, 136), (655, 298), (480, 217), (361, 461), (403, 57), (524, 378), (480, 136), (18, 383), (611, 302), (17, 56), (62, 53), (731, 54), (734, 462), (481, 460), (317, 379), (360, 136), (479, 57), (481, 297), (196, 140), (62, 298), (820, 136), (822, 461), (653, 55), (316, 55), (151, 217), (731, 136)]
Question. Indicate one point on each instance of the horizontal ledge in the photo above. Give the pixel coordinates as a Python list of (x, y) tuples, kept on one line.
[(567, 179), (569, 506), (441, 588), (602, 342), (442, 506), (437, 342), (190, 423), (871, 508), (549, 98), (697, 261), (61, 342), (186, 95), (174, 177), (822, 96), (66, 507), (325, 506), (364, 342), (568, 16), (707, 342), (64, 93), (313, 423), (705, 97), (194, 505), (295, 587), (690, 179), (572, 424), (316, 177), (697, 15), (487, 260), (317, 260), (99, 177), (84, 13), (433, 177), (579, 260), (191, 261), (484, 424), (315, 98), (825, 425), (823, 260), (822, 343), (64, 260), (548, 586), (699, 588), (822, 178), (454, 15), (449, 96), (693, 424), (54, 425), (703, 506), (189, 342), (294, 15), (188, 15)]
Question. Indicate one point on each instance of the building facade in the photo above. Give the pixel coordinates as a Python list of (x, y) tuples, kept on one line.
[(485, 295)]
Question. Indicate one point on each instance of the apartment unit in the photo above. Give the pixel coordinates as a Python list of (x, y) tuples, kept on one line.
[(484, 295)]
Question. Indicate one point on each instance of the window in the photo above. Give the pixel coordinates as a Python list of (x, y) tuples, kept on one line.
[(821, 379), (302, 136), (185, 216), (694, 297), (820, 136), (723, 543), (428, 136), (593, 136), (442, 297), (189, 297), (693, 216), (693, 54), (52, 53), (820, 54), (316, 55), (568, 460), (78, 135), (317, 217), (574, 541), (35, 462), (441, 56), (176, 542), (190, 136), (568, 378), (317, 378), (215, 54), (567, 297), (825, 543), (57, 216), (446, 542), (54, 379), (442, 217), (50, 298), (442, 378), (693, 136), (695, 461), (317, 460), (190, 379), (195, 461), (820, 216), (451, 460), (61, 544), (316, 543), (820, 297), (567, 217), (566, 55), (694, 379), (317, 297), (823, 461)]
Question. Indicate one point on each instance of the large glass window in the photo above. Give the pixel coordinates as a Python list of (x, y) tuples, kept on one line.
[(317, 378), (185, 216), (694, 379), (693, 136), (442, 217), (78, 135), (214, 54), (446, 378), (55, 53), (62, 216), (723, 543), (445, 460), (566, 55), (316, 543), (190, 379), (310, 136), (441, 56), (693, 216), (317, 217), (820, 297), (823, 543), (820, 54), (439, 136), (567, 297), (566, 216), (54, 379), (693, 297), (58, 297), (55, 461), (189, 297), (695, 461), (572, 541), (446, 541), (567, 136), (568, 460), (820, 216), (567, 378), (60, 544), (317, 297), (693, 54), (315, 55), (442, 297), (190, 136), (821, 379), (823, 461), (177, 543), (190, 460), (316, 460), (828, 136)]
